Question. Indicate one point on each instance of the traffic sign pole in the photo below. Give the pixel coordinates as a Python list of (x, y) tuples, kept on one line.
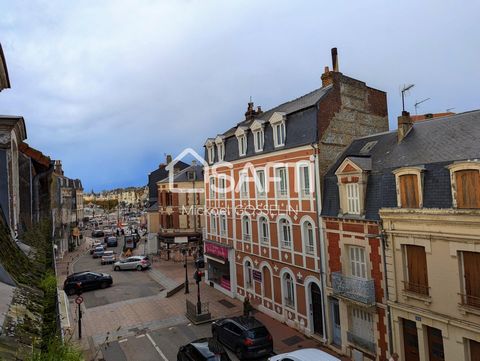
[(79, 301)]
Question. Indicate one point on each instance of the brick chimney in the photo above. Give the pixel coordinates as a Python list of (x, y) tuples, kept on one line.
[(405, 123), (169, 159), (58, 167), (328, 76), (251, 113)]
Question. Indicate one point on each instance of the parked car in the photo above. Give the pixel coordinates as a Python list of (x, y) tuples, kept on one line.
[(86, 281), (112, 241), (95, 245), (108, 257), (134, 262), (200, 262), (97, 233), (98, 252), (246, 336), (204, 349), (306, 354)]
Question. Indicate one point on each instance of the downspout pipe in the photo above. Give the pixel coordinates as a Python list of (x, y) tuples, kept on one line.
[(384, 243), (320, 237)]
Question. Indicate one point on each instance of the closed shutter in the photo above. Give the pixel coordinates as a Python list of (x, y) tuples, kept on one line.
[(417, 269), (474, 351), (468, 188), (471, 267), (409, 191)]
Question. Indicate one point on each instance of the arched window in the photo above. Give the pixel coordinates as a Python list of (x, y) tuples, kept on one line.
[(246, 229), (288, 290), (308, 237), (248, 278), (285, 232), (263, 230)]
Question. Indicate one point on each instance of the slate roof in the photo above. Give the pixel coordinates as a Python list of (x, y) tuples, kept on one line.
[(433, 144), (156, 176), (183, 175), (301, 126)]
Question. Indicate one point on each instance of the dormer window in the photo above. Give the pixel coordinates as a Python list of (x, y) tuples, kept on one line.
[(220, 148), (352, 177), (209, 145), (409, 184), (465, 179), (277, 121), (258, 135), (241, 135)]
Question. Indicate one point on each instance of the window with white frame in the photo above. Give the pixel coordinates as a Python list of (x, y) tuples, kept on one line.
[(281, 182), (263, 230), (246, 229), (304, 176), (242, 145), (222, 187), (289, 290), (361, 324), (285, 231), (353, 198), (223, 225), (308, 237), (220, 151), (212, 187), (243, 185), (248, 274), (213, 224), (279, 134), (210, 154), (258, 140), (260, 184), (358, 264)]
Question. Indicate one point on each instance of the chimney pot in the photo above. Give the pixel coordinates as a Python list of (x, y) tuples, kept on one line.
[(169, 159), (405, 124), (335, 59)]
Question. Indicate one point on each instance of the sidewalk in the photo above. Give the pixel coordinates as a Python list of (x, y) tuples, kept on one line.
[(285, 338)]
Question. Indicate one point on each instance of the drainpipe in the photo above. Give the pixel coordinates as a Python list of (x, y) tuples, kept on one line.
[(320, 237), (389, 318)]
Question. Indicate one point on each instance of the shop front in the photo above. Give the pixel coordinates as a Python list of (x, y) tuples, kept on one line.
[(219, 261)]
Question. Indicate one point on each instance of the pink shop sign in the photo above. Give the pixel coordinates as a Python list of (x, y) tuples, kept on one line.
[(216, 250)]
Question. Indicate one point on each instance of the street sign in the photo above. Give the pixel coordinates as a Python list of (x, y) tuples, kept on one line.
[(79, 300)]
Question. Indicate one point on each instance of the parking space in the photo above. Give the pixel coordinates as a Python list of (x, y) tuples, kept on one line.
[(126, 284)]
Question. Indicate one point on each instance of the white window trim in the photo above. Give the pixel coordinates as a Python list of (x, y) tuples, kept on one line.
[(242, 145), (222, 188), (243, 178), (353, 262), (213, 224), (223, 221), (276, 141), (256, 134), (277, 182), (455, 167), (283, 243), (301, 189), (418, 171), (265, 191), (264, 240), (310, 250), (246, 236), (248, 277), (290, 303), (212, 184), (353, 198)]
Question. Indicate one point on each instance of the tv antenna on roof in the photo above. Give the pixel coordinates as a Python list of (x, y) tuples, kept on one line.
[(418, 103), (405, 89), (449, 109)]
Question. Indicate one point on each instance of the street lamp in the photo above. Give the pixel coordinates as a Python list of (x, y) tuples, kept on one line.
[(184, 252)]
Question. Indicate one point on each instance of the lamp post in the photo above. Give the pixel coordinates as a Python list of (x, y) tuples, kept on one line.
[(199, 303), (184, 252)]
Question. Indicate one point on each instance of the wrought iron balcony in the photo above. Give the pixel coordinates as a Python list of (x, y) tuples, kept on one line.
[(361, 342), (356, 289)]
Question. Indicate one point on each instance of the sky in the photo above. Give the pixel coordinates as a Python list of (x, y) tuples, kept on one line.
[(111, 87)]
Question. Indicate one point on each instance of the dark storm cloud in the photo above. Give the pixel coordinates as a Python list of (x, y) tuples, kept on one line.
[(110, 87)]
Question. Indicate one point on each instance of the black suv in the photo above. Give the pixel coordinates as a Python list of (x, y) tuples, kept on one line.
[(204, 349), (246, 336), (86, 281)]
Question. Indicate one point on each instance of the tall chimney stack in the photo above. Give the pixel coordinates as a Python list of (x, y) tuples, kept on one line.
[(169, 159), (405, 124), (335, 59)]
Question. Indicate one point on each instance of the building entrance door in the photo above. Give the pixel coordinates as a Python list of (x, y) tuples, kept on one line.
[(317, 309), (337, 330), (435, 344), (474, 351), (410, 341)]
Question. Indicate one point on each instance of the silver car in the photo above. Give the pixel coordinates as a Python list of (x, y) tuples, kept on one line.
[(134, 262)]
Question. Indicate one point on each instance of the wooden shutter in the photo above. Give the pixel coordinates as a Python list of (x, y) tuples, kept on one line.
[(471, 267), (409, 191), (474, 351), (468, 188), (417, 269)]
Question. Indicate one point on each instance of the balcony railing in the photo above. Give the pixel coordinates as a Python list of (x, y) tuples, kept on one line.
[(357, 289), (469, 300), (246, 238), (416, 288), (361, 342)]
